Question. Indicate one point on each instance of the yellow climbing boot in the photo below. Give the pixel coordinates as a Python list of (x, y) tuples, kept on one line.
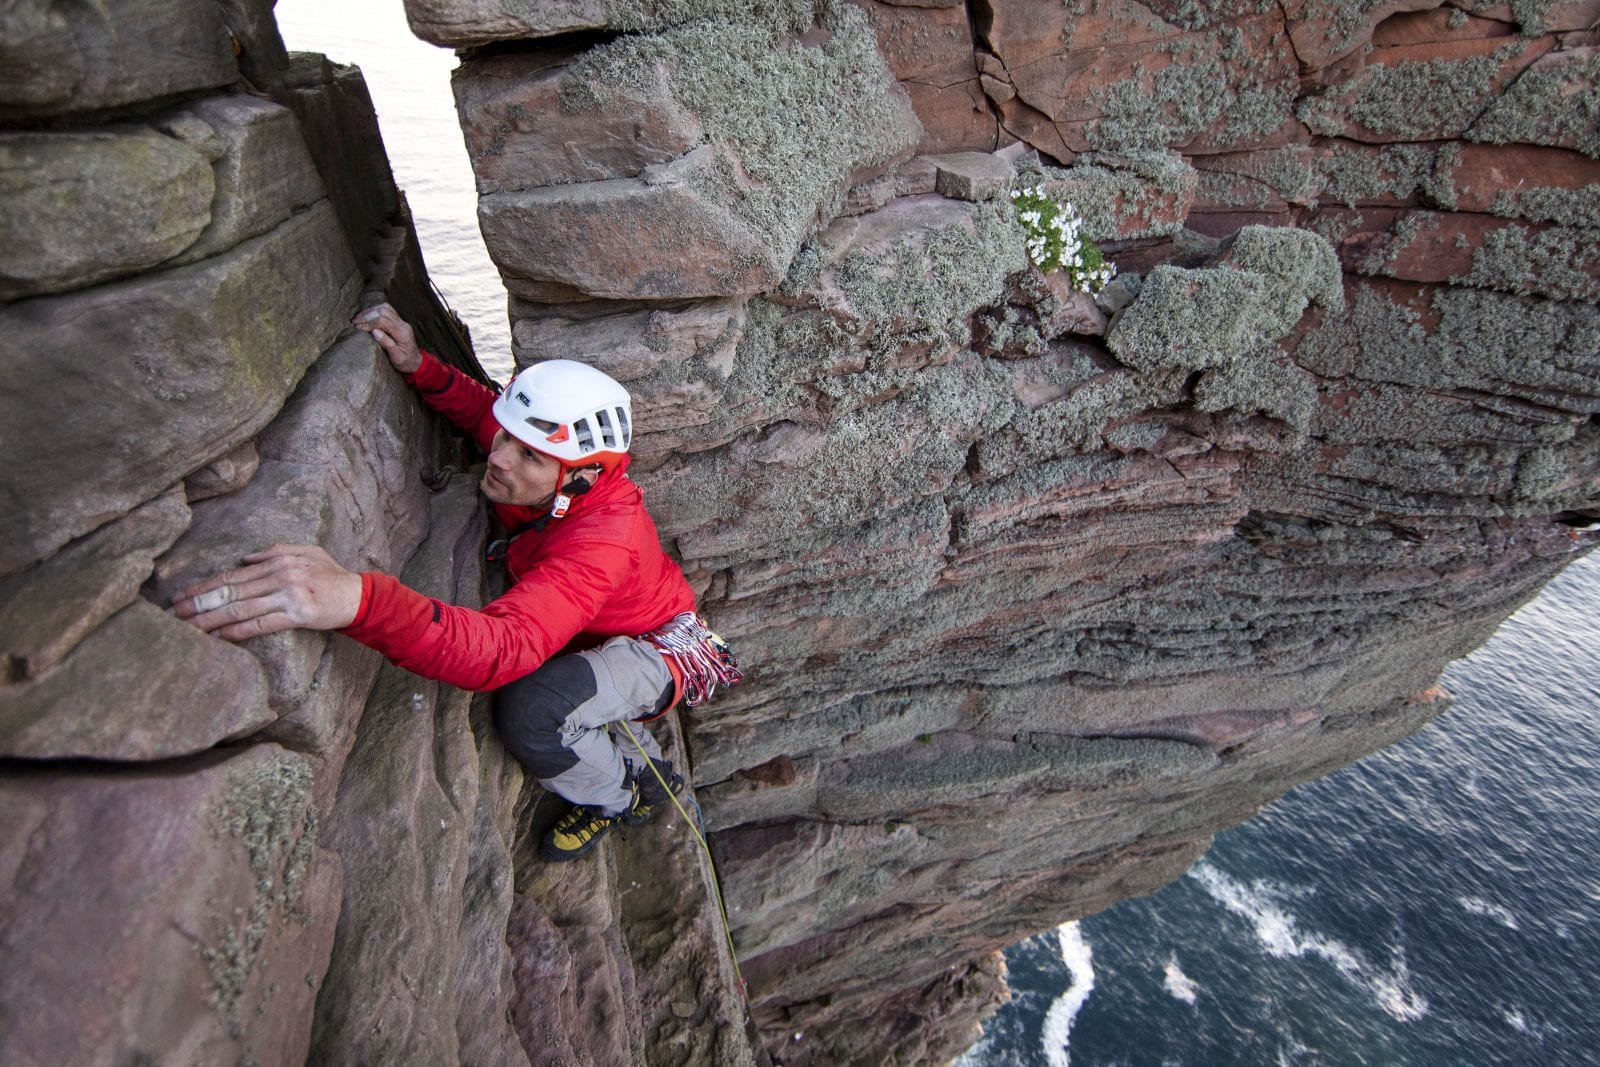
[(577, 833)]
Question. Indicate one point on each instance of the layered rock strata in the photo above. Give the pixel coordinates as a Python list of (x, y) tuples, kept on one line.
[(1039, 591), (1035, 591), (281, 851)]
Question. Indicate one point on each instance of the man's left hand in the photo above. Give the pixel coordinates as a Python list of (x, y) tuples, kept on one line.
[(278, 588)]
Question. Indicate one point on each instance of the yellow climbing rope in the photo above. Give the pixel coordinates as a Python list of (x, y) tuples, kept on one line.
[(694, 828)]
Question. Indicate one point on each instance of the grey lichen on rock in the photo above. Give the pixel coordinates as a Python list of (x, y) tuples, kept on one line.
[(1126, 195), (1266, 384), (1230, 84), (1355, 174), (1207, 317), (1554, 102), (949, 768), (266, 806), (1569, 207), (1558, 262), (1414, 99), (785, 16), (923, 287), (791, 124), (1495, 343), (1106, 762)]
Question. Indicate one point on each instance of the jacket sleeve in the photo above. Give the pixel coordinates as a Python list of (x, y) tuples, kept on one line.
[(510, 637), (468, 404)]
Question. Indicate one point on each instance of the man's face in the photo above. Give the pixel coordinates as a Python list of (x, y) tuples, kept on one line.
[(517, 474)]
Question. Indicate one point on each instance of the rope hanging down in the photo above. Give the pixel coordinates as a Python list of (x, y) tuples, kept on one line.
[(694, 828)]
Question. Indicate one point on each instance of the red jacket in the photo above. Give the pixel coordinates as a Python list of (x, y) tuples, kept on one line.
[(596, 573)]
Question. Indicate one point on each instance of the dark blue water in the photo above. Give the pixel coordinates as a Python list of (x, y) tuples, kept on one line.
[(1433, 905)]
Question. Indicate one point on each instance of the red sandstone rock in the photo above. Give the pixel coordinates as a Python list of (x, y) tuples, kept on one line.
[(1049, 583), (465, 23), (1510, 179), (1536, 108), (520, 136), (174, 914), (1421, 92), (85, 207), (128, 692), (929, 49), (46, 610), (1557, 16), (1322, 34), (55, 62), (1123, 77), (268, 306), (1438, 26), (1481, 250)]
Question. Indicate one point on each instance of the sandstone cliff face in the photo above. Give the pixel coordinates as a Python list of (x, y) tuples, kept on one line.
[(282, 851), (1036, 592)]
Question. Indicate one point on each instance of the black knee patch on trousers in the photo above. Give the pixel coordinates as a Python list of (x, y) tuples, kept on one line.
[(529, 713)]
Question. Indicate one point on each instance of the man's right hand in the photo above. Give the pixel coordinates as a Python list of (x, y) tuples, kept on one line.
[(393, 335)]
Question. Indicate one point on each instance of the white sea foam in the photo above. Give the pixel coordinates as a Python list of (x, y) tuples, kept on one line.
[(1516, 1020), (1489, 910), (1281, 937), (1178, 984), (1078, 957)]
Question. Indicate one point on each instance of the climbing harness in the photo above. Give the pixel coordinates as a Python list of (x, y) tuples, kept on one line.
[(699, 657), (696, 827)]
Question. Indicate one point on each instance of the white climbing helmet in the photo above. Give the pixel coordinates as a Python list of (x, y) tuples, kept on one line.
[(570, 411)]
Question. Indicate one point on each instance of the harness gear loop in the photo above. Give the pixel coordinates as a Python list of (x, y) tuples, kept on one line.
[(695, 828)]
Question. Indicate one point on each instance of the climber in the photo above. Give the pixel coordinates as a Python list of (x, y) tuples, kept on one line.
[(598, 625)]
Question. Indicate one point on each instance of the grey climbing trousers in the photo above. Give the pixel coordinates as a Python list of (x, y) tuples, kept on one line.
[(558, 721)]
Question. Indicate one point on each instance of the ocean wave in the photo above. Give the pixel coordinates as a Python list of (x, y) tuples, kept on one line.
[(1259, 903), (1178, 984), (1489, 910), (1079, 958)]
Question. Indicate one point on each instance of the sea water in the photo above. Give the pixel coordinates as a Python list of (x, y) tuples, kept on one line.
[(1432, 905), (409, 80)]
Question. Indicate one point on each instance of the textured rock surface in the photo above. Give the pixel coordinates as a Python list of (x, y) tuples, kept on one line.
[(183, 390), (173, 346), (57, 60), (721, 145), (1035, 591), (220, 890)]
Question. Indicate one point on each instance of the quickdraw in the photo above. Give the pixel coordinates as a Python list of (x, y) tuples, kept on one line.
[(703, 659)]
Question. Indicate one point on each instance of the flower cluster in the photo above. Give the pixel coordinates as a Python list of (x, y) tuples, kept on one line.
[(1055, 240)]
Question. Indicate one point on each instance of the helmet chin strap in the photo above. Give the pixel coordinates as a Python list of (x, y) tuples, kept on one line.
[(561, 503)]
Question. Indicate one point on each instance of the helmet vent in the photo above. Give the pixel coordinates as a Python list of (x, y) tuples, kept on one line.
[(608, 433), (584, 434), (627, 430)]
